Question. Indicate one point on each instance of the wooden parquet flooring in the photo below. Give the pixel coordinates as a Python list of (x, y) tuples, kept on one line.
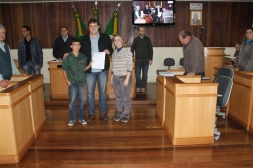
[(140, 143)]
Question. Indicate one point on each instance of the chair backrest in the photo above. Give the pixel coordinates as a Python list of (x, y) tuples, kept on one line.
[(181, 61), (169, 62), (228, 72), (224, 90)]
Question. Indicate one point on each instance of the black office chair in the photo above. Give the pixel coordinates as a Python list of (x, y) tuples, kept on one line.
[(228, 72), (224, 90), (169, 62), (181, 61)]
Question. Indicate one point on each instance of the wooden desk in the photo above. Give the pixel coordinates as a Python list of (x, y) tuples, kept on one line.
[(227, 61), (213, 58), (241, 99), (16, 133), (161, 91), (251, 118), (36, 98), (146, 19), (190, 111)]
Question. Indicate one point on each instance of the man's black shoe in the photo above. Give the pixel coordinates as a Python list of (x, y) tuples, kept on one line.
[(90, 117), (104, 117)]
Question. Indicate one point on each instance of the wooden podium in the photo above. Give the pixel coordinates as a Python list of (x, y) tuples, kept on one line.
[(190, 108), (16, 123), (241, 99), (36, 98), (214, 57)]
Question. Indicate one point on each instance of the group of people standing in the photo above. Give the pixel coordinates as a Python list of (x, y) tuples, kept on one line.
[(77, 57), (81, 58)]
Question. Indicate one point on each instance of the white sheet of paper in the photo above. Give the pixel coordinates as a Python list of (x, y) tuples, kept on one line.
[(232, 57), (98, 59)]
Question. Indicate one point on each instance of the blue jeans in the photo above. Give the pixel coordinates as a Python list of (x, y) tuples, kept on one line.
[(141, 65), (91, 80), (76, 91), (29, 67)]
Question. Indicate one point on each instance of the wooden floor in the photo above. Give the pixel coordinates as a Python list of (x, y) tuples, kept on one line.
[(140, 143)]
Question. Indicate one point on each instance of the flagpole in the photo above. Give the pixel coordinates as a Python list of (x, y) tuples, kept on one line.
[(96, 4)]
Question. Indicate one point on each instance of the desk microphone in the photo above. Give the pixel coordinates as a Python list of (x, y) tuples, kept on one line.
[(202, 29)]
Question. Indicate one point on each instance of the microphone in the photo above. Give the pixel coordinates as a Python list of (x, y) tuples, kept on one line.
[(202, 29)]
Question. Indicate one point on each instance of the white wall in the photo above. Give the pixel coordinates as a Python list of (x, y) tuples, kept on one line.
[(160, 53)]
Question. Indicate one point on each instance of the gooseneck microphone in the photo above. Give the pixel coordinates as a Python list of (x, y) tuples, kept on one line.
[(201, 32)]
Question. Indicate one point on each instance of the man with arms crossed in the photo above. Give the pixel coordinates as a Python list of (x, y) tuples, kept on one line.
[(7, 65), (193, 50), (92, 43)]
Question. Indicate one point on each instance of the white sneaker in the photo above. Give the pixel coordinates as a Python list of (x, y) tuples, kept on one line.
[(142, 90), (71, 122), (138, 89), (83, 122)]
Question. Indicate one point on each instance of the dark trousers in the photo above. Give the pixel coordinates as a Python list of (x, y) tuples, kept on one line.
[(141, 72)]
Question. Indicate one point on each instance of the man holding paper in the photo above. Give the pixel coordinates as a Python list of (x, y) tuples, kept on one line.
[(97, 47)]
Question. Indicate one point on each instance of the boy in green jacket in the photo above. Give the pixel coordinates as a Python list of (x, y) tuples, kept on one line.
[(73, 67)]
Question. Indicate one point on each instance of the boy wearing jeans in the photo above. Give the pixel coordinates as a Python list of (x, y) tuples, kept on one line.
[(73, 67)]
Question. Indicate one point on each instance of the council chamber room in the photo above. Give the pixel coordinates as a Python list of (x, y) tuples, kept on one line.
[(195, 109)]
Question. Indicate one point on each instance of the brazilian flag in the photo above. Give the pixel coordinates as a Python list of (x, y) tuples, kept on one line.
[(81, 29), (95, 15), (113, 26)]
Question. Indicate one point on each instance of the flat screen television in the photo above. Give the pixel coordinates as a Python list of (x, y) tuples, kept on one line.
[(160, 13)]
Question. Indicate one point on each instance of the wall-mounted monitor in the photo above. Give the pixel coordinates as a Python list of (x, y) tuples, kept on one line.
[(160, 13)]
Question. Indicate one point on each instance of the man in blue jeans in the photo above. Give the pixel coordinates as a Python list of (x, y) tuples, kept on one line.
[(91, 43), (143, 51), (30, 55)]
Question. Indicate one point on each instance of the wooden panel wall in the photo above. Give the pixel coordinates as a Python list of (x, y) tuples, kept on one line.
[(224, 22)]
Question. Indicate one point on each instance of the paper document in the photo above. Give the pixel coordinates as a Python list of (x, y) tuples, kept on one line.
[(57, 60), (98, 59), (232, 57), (178, 73), (166, 74)]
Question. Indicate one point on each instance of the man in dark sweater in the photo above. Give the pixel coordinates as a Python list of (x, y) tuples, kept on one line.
[(143, 51), (193, 50), (62, 44)]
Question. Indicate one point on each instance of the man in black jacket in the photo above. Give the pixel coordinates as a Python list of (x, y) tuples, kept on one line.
[(62, 44), (91, 43)]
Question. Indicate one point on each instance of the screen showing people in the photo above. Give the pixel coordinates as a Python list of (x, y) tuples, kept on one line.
[(153, 12)]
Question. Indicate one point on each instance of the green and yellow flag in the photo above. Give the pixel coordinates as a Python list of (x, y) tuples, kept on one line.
[(95, 15), (113, 26), (80, 26)]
